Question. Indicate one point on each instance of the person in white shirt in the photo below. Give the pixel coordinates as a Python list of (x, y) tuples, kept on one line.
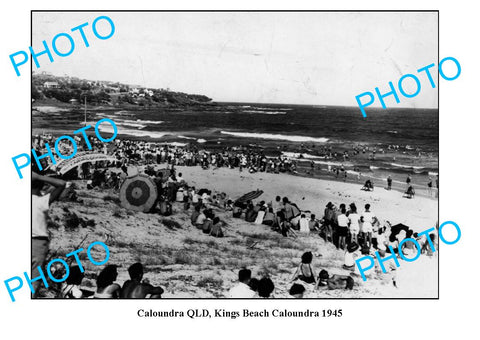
[(342, 222), (304, 226), (241, 289), (40, 207), (354, 219), (367, 227)]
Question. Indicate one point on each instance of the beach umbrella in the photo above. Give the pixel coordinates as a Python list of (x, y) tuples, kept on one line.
[(202, 191), (395, 230), (250, 196), (138, 193)]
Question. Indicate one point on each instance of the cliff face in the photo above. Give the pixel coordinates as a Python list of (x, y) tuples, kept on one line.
[(64, 89)]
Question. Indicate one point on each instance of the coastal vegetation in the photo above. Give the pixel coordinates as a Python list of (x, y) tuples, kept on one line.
[(74, 91)]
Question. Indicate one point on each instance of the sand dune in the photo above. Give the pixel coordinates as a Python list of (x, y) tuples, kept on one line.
[(189, 264)]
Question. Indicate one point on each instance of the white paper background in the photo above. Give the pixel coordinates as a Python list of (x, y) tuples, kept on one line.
[(451, 316)]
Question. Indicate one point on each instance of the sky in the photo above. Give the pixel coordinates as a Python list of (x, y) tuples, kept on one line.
[(316, 58)]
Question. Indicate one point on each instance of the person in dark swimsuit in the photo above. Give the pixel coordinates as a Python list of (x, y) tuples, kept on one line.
[(305, 271)]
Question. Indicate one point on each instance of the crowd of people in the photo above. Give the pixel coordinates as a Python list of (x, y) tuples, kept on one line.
[(106, 288), (354, 233)]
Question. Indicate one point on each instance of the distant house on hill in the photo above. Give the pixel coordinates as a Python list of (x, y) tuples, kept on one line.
[(73, 101), (51, 85)]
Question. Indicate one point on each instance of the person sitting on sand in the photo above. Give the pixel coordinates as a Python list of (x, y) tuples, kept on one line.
[(253, 284), (304, 270), (354, 220), (350, 256), (71, 287), (241, 289), (200, 219), (288, 209), (207, 225), (269, 217), (135, 288), (381, 242), (303, 223), (408, 247), (410, 192), (195, 214), (229, 205), (297, 291), (216, 228), (260, 214), (368, 186), (265, 288), (237, 210), (165, 207), (284, 226), (258, 206), (277, 204), (313, 223), (250, 214), (106, 288)]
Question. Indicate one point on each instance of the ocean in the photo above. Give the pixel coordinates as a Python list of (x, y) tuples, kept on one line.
[(404, 140)]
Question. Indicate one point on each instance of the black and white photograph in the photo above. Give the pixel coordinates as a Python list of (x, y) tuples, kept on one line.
[(224, 154)]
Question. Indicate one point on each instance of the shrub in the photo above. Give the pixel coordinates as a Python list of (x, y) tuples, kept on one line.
[(210, 282), (171, 224), (72, 221), (113, 199)]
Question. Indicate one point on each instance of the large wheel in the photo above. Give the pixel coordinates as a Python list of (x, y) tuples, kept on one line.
[(138, 193)]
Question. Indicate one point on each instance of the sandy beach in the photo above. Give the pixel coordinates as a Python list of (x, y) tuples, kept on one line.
[(189, 264)]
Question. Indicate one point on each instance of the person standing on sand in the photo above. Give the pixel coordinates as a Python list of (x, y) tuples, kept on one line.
[(389, 182), (368, 220), (409, 179), (40, 207), (342, 221), (329, 218), (354, 219), (429, 186)]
